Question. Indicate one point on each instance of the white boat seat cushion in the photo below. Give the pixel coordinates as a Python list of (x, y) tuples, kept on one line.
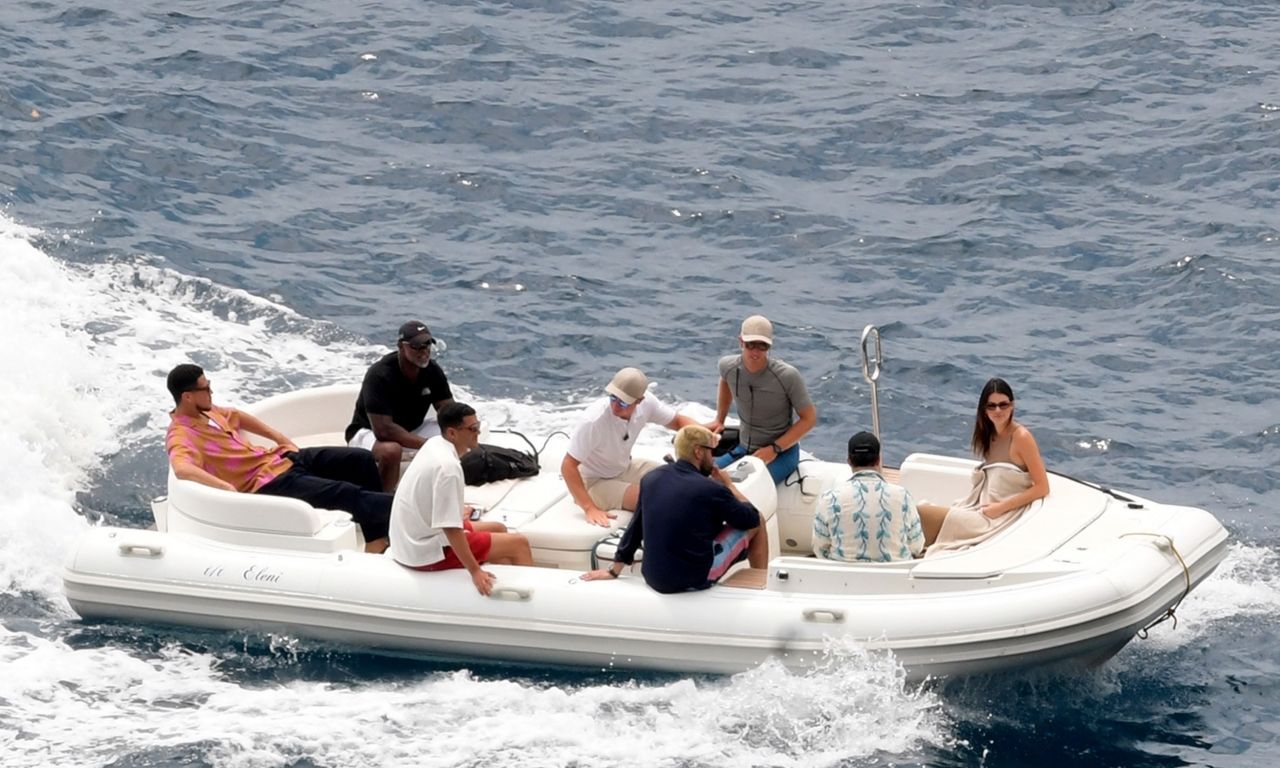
[(320, 440), (1047, 525), (246, 511), (564, 527)]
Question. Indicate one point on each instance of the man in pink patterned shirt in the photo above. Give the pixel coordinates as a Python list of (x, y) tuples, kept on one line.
[(205, 445)]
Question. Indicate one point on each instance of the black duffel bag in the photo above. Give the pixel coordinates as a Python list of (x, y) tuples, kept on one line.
[(490, 463)]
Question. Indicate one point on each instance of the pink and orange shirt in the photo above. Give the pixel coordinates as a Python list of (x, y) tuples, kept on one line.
[(213, 443)]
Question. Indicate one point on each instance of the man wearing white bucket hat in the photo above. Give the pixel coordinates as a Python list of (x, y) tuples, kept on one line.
[(767, 392), (598, 468)]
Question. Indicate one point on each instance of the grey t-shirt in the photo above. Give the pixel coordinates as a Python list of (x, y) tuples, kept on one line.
[(766, 399)]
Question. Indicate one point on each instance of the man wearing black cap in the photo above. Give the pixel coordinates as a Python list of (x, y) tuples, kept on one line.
[(397, 392), (867, 518)]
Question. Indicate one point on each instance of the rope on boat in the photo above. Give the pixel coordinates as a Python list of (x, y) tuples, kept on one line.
[(1171, 613), (1113, 493), (537, 452)]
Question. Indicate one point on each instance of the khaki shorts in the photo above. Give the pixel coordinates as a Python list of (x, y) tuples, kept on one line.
[(607, 492)]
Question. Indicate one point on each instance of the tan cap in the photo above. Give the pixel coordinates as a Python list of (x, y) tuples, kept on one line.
[(757, 328), (628, 385), (692, 436)]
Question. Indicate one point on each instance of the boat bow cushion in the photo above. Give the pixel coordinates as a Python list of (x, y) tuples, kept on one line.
[(245, 511)]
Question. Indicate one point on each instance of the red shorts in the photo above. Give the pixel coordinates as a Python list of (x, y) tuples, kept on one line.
[(480, 543)]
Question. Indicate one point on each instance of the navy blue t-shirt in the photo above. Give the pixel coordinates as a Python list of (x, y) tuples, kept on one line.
[(387, 391), (678, 516)]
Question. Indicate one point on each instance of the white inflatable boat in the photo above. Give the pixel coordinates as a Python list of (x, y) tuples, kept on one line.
[(1075, 578)]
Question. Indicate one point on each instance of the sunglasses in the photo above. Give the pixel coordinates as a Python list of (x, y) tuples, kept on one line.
[(618, 402), (475, 428), (205, 388), (758, 346), (1000, 406), (421, 345)]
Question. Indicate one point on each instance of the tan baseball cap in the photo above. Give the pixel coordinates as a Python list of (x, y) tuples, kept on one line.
[(628, 385), (757, 328)]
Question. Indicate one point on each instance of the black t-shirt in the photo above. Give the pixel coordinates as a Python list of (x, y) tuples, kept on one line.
[(386, 390)]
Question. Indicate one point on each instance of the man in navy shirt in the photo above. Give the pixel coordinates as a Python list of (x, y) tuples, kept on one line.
[(692, 520), (397, 392)]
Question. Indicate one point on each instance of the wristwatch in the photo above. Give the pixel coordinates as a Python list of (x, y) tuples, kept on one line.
[(776, 448)]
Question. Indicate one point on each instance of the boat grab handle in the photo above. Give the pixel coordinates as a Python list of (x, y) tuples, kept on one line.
[(824, 615), (141, 550), (871, 372), (511, 593)]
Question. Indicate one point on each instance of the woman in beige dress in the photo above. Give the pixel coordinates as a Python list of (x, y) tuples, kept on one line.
[(1010, 478)]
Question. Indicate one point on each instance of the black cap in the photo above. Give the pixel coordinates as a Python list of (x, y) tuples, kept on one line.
[(413, 329), (864, 449)]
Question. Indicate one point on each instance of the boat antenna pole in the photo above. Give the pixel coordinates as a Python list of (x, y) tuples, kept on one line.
[(871, 372)]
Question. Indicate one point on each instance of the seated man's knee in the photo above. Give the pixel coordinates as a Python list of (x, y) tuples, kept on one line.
[(515, 540), (519, 543), (630, 497), (598, 496), (511, 548), (387, 452)]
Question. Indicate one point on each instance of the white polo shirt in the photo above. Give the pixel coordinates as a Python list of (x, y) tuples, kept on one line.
[(602, 442), (428, 500)]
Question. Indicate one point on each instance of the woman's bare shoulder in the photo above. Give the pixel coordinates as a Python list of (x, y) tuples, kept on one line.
[(1022, 435)]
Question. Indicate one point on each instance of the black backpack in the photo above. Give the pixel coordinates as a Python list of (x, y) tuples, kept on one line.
[(490, 463)]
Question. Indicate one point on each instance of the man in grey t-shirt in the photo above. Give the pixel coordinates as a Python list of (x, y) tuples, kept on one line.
[(767, 393)]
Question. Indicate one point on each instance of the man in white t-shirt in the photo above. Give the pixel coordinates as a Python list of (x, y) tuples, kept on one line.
[(430, 525), (598, 468)]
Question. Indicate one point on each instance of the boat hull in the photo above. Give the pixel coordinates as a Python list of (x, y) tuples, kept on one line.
[(545, 616), (1078, 575)]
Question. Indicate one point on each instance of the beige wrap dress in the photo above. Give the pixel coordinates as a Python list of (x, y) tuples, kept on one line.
[(996, 480)]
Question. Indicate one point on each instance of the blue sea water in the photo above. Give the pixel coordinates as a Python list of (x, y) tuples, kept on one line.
[(1076, 196)]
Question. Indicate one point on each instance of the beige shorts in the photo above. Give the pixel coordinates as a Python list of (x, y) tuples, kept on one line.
[(607, 492)]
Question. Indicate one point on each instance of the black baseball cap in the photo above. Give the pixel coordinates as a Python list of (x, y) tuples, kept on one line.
[(413, 329), (865, 447)]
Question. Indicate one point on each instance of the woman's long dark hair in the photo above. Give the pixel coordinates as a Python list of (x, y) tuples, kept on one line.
[(983, 430)]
